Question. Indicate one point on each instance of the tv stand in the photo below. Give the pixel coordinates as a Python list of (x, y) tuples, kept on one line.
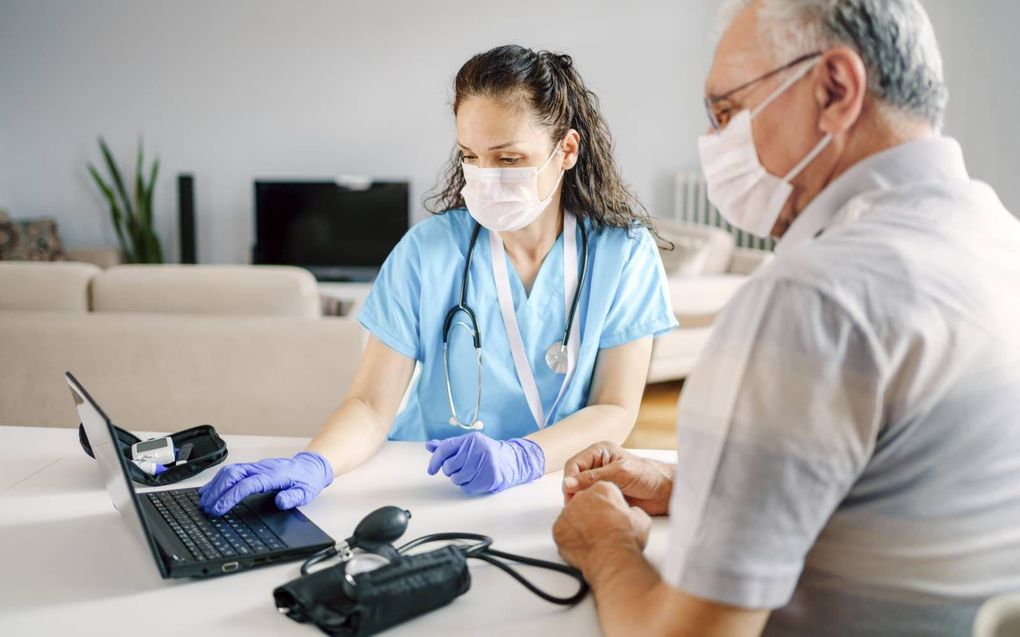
[(351, 296)]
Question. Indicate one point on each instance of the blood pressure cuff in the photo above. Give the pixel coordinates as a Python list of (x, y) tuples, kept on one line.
[(208, 450), (379, 599)]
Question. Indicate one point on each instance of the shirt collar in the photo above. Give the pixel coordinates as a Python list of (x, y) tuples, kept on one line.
[(931, 159)]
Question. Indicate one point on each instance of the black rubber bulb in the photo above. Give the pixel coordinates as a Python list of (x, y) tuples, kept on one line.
[(379, 528)]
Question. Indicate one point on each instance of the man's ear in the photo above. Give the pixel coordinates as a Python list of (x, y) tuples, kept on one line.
[(842, 89), (571, 146)]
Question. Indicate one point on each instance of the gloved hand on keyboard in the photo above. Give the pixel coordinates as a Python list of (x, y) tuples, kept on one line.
[(479, 464), (298, 480)]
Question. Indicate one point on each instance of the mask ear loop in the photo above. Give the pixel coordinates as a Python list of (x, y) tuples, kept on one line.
[(785, 86), (549, 158), (563, 173), (821, 146), (815, 152)]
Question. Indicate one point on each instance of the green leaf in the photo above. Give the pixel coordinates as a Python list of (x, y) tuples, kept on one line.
[(139, 186), (143, 225), (103, 186), (132, 217), (155, 250), (152, 186), (115, 212), (111, 165)]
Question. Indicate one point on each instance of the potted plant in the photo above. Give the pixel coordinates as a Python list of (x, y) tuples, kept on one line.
[(132, 216)]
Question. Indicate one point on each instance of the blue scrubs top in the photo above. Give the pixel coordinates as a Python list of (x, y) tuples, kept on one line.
[(625, 298)]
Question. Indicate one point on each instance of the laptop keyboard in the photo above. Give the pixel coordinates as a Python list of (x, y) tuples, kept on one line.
[(237, 533)]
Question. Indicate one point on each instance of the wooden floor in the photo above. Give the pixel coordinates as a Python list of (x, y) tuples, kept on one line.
[(656, 423)]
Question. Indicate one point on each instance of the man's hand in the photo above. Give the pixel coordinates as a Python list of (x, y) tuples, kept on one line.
[(644, 483), (596, 519)]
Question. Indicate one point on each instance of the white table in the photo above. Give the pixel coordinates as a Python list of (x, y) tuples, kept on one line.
[(69, 565)]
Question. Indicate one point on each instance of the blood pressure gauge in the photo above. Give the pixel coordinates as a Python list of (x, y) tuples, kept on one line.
[(158, 450)]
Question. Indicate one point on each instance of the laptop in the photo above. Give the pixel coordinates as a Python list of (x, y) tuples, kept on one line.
[(185, 542)]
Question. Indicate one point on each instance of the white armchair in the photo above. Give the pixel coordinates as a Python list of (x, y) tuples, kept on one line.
[(999, 617), (705, 270)]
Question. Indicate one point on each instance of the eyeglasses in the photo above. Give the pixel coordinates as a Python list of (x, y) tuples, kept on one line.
[(719, 109)]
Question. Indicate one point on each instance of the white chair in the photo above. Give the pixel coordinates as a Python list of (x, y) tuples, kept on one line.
[(999, 617)]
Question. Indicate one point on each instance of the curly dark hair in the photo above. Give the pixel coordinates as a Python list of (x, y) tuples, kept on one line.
[(556, 96)]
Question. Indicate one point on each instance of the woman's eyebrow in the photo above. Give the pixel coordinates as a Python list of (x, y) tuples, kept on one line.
[(505, 145), (497, 147)]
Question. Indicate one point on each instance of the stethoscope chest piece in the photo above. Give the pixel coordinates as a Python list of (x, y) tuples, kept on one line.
[(556, 358), (477, 425)]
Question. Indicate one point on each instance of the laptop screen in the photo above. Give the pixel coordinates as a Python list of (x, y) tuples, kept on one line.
[(99, 430)]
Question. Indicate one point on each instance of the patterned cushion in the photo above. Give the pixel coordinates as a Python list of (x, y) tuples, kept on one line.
[(30, 240)]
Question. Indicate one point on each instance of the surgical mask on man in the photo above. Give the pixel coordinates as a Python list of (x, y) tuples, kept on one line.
[(746, 194), (505, 199)]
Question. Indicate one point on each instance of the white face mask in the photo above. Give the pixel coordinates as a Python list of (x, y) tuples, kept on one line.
[(505, 199), (746, 194)]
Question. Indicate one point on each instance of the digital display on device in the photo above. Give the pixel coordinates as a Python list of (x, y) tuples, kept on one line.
[(151, 445)]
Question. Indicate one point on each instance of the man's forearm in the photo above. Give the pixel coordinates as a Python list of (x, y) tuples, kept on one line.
[(623, 583), (601, 535), (633, 599)]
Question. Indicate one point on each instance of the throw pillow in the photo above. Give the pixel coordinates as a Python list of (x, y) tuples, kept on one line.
[(30, 240), (687, 258)]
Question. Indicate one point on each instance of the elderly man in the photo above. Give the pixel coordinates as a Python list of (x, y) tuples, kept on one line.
[(849, 445)]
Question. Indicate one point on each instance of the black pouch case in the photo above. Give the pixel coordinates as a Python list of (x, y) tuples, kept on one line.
[(368, 603), (208, 450)]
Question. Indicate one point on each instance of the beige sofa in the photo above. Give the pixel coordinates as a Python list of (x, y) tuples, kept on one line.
[(246, 348), (166, 347), (705, 269)]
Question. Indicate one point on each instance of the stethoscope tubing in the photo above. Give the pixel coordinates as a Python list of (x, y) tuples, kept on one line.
[(476, 334)]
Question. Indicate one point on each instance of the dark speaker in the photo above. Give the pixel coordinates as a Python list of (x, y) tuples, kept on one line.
[(186, 208)]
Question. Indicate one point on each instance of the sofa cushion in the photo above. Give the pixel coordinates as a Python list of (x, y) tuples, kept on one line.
[(207, 289), (42, 285), (150, 372), (718, 244), (698, 301), (103, 257)]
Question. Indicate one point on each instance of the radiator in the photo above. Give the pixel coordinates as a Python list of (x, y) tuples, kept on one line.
[(691, 206)]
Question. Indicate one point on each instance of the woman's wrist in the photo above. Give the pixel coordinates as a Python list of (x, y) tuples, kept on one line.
[(532, 458), (319, 462)]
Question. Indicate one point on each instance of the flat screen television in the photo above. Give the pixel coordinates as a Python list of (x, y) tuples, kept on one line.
[(340, 231)]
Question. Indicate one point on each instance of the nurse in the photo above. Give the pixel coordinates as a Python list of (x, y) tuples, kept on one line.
[(528, 302)]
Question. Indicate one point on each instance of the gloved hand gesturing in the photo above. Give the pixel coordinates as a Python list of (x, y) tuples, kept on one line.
[(298, 480), (478, 464)]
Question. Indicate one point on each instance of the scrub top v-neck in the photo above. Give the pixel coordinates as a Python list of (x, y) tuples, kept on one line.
[(625, 297)]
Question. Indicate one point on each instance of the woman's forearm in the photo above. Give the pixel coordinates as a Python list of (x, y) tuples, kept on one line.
[(585, 427), (350, 436), (618, 383)]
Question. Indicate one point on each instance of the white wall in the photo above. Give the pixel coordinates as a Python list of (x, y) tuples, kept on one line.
[(982, 63), (232, 91)]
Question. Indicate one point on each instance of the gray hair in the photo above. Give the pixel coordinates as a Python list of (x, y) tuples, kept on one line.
[(894, 38)]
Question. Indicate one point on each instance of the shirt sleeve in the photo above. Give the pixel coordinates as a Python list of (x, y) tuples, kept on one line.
[(642, 306), (776, 423), (391, 311)]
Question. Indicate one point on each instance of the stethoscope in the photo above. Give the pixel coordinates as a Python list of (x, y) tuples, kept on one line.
[(555, 356)]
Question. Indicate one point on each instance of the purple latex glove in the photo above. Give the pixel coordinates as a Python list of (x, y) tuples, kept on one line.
[(298, 480), (479, 464)]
